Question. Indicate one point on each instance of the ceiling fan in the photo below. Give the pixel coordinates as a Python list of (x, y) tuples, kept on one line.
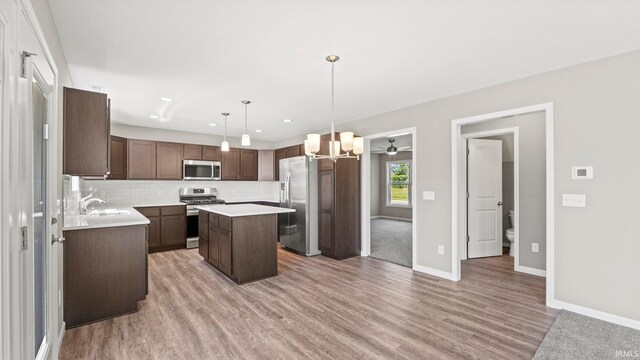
[(392, 149)]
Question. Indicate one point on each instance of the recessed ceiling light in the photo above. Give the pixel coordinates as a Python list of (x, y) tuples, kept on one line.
[(154, 116), (166, 99), (258, 130), (287, 120), (212, 124)]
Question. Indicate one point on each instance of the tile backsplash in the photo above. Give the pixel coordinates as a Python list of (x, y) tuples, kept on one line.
[(152, 192)]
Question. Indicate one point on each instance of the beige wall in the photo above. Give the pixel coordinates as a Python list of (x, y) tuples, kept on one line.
[(596, 123), (45, 19), (376, 184), (531, 128)]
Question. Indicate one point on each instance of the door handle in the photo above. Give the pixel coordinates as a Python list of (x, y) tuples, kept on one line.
[(59, 239), (499, 203)]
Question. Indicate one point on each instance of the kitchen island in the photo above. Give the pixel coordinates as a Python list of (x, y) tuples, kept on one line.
[(240, 240)]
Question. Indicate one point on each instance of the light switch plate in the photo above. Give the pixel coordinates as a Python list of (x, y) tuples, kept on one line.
[(428, 195), (440, 249), (574, 200), (582, 172)]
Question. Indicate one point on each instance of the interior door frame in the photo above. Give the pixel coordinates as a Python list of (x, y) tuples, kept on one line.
[(365, 191), (16, 337), (516, 188), (458, 188)]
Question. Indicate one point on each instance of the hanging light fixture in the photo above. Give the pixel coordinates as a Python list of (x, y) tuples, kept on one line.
[(225, 144), (246, 140), (347, 142), (392, 149)]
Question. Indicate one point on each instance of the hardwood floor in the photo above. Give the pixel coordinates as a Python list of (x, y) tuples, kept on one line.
[(322, 308)]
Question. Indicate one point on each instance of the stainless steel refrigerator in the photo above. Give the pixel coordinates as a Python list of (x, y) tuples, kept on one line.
[(299, 191)]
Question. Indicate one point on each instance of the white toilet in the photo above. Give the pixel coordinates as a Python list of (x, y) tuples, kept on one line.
[(510, 233)]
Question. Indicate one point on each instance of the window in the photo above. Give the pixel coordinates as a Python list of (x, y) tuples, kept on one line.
[(399, 183)]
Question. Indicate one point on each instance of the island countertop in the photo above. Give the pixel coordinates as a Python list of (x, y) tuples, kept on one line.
[(243, 210)]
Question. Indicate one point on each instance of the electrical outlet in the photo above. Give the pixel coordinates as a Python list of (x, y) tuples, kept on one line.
[(440, 249), (534, 247), (574, 200)]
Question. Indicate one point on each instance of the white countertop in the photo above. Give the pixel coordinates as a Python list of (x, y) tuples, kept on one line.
[(127, 216), (243, 210), (160, 204)]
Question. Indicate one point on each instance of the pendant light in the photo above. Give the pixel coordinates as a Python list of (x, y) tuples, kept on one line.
[(347, 142), (225, 144), (246, 140)]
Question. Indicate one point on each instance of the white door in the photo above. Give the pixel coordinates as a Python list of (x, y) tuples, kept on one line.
[(484, 204)]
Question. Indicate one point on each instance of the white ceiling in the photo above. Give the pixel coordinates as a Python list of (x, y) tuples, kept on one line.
[(209, 55)]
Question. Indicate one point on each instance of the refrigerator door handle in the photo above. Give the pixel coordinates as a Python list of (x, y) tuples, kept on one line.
[(287, 189)]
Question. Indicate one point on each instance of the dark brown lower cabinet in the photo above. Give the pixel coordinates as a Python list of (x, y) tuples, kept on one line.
[(167, 227), (243, 248), (203, 242), (105, 273)]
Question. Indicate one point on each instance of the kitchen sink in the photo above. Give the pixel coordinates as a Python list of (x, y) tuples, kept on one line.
[(108, 212)]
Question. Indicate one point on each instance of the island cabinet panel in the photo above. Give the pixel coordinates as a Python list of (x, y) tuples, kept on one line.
[(225, 263), (244, 248), (231, 164), (278, 155), (104, 273), (192, 152), (203, 241), (266, 170), (118, 154), (141, 159), (86, 130), (169, 161), (154, 231), (249, 164), (211, 153), (214, 245)]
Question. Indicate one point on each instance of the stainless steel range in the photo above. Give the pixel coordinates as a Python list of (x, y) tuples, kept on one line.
[(194, 197)]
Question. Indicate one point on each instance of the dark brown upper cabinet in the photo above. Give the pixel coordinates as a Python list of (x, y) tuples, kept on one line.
[(192, 152), (118, 161), (293, 151), (266, 165), (211, 153), (248, 164), (169, 161), (86, 131), (231, 164), (278, 155), (141, 159)]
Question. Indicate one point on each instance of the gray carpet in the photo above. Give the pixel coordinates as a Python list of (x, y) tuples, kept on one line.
[(574, 336), (391, 241)]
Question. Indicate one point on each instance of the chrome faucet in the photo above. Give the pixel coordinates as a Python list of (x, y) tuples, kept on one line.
[(84, 202)]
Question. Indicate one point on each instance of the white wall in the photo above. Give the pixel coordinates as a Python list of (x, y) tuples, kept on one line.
[(145, 133), (532, 182), (596, 123)]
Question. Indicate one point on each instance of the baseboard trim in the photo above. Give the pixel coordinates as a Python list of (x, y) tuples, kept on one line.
[(60, 339), (531, 271), (601, 315), (391, 218), (434, 272)]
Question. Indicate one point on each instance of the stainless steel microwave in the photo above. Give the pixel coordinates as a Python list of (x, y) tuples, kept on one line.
[(201, 170)]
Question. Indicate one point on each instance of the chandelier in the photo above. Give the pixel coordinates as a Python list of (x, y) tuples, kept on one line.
[(347, 142)]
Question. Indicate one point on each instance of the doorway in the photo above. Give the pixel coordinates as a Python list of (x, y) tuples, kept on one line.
[(543, 114), (388, 198)]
